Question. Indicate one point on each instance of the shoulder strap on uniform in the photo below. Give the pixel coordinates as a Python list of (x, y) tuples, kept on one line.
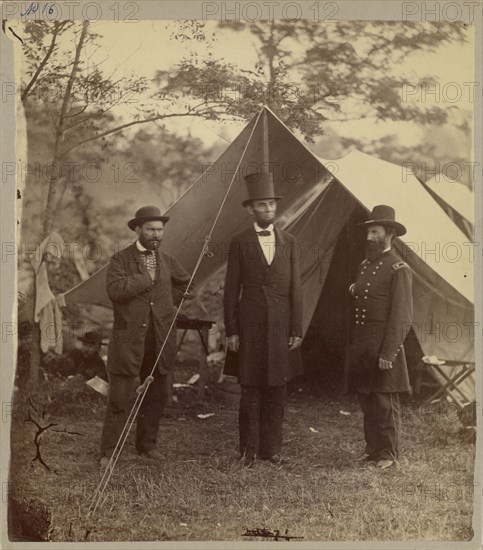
[(398, 265)]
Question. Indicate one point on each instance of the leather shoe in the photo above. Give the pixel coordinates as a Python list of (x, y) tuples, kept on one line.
[(368, 459), (384, 463), (153, 454), (278, 460)]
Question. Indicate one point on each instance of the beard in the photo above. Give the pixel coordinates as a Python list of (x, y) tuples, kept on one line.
[(374, 249), (264, 222), (150, 244)]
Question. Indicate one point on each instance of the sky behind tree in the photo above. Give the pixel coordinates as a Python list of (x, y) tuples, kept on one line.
[(148, 46)]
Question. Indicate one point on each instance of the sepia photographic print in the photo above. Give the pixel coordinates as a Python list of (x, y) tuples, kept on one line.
[(241, 274)]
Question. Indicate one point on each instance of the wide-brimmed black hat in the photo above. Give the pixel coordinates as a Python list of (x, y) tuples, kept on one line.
[(260, 186), (385, 215), (90, 337), (147, 214)]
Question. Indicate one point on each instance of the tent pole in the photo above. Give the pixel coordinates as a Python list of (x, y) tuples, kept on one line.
[(266, 156)]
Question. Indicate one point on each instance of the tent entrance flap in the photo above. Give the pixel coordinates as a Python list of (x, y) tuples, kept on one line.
[(325, 347)]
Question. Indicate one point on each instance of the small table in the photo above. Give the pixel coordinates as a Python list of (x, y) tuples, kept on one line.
[(202, 327)]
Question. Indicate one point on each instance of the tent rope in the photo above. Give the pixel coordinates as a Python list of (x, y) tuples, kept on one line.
[(141, 390)]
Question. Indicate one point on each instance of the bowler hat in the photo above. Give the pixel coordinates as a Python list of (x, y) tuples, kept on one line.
[(385, 215), (259, 186), (90, 337), (146, 214)]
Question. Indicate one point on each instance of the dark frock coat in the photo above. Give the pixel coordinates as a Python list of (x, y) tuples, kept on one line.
[(136, 300), (383, 311), (263, 305)]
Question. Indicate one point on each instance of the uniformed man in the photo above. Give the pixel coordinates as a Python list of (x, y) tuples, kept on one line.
[(383, 310)]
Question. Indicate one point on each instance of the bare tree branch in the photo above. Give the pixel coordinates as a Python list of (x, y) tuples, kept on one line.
[(132, 123), (76, 114), (57, 28)]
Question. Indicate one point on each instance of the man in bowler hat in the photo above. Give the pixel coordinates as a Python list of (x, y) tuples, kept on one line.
[(383, 310), (265, 323), (143, 284), (84, 359)]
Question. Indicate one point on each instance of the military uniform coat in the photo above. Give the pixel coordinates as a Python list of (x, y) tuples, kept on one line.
[(137, 300), (263, 305), (383, 310)]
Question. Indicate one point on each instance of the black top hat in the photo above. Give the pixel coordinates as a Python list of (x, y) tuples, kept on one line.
[(259, 186), (385, 215), (91, 337), (146, 214)]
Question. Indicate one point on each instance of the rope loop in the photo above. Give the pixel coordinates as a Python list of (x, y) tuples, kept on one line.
[(206, 252)]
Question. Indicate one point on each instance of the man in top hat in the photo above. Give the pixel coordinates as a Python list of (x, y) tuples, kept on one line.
[(143, 284), (265, 323), (383, 309)]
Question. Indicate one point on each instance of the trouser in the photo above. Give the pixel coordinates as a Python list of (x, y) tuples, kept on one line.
[(122, 394), (260, 420), (382, 424)]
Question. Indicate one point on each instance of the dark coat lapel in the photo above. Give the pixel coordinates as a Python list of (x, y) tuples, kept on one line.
[(135, 258), (279, 243)]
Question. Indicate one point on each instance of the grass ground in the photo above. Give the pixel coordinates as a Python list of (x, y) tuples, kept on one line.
[(199, 492)]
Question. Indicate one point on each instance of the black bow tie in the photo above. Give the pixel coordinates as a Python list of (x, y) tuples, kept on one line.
[(264, 233)]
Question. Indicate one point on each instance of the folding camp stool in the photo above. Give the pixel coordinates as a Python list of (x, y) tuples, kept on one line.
[(452, 388)]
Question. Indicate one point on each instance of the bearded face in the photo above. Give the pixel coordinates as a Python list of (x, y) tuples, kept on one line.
[(377, 241), (150, 234), (263, 211)]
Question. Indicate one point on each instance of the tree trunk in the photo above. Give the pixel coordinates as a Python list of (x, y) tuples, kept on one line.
[(59, 136), (35, 351), (34, 356)]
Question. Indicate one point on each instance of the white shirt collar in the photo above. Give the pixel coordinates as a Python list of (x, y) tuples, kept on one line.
[(387, 249), (140, 247), (258, 228)]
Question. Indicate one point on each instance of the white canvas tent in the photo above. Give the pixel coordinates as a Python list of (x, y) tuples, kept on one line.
[(456, 199), (322, 204)]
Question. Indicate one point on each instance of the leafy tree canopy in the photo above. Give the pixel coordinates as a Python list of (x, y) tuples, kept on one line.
[(311, 74)]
